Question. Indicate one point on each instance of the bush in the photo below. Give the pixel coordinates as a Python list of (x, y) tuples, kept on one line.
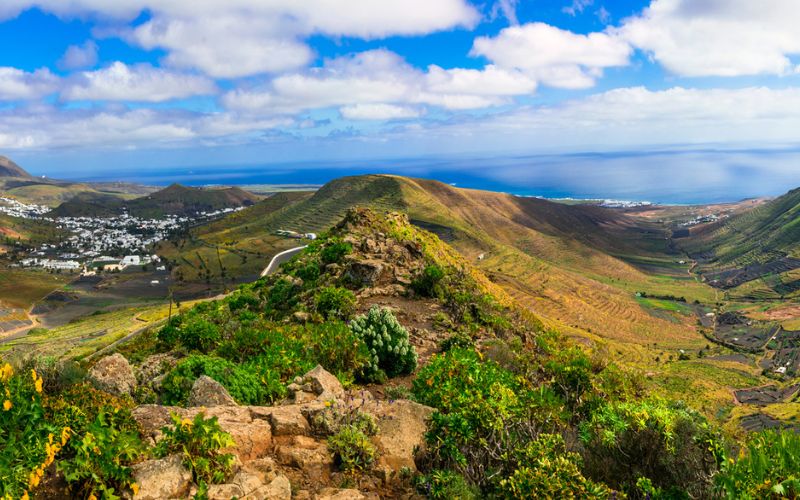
[(768, 466), (445, 485), (197, 333), (352, 449), (550, 471), (456, 341), (199, 442), (334, 251), (99, 465), (387, 340), (427, 284), (335, 418), (243, 299), (28, 443), (672, 446), (309, 272), (485, 415), (335, 303), (244, 385), (336, 347), (281, 298)]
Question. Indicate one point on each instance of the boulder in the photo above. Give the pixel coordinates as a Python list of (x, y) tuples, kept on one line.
[(288, 421), (364, 272), (402, 430), (113, 374), (340, 494), (208, 392), (279, 489), (323, 382), (154, 368), (164, 478)]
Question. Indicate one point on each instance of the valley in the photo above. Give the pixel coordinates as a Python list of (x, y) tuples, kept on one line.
[(653, 289)]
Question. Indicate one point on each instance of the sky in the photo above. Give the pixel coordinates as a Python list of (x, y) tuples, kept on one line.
[(570, 89)]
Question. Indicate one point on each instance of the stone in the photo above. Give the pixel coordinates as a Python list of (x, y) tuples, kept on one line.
[(323, 382), (154, 368), (304, 453), (301, 317), (224, 492), (364, 272), (340, 494), (164, 478), (113, 374), (402, 426), (278, 489), (288, 421), (208, 392)]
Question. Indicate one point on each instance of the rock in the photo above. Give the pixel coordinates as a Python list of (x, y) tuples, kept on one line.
[(224, 492), (208, 392), (154, 368), (279, 489), (304, 453), (364, 272), (402, 429), (164, 478), (301, 317), (340, 494), (288, 421), (323, 382), (113, 374)]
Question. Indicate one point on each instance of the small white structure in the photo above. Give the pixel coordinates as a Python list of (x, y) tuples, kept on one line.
[(154, 282), (311, 236), (130, 260)]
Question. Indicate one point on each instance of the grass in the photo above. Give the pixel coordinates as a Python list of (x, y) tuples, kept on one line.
[(22, 288)]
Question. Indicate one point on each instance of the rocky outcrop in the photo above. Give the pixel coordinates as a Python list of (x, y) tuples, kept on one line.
[(402, 431), (164, 478), (113, 374), (365, 272), (317, 384), (208, 392)]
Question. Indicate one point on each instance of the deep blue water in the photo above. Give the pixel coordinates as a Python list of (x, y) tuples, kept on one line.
[(678, 177)]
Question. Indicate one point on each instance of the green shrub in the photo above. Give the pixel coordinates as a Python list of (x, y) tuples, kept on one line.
[(548, 470), (672, 446), (334, 251), (445, 485), (27, 445), (100, 457), (243, 299), (199, 442), (281, 298), (197, 333), (456, 341), (335, 303), (335, 346), (768, 466), (387, 340), (309, 272), (485, 415), (427, 284), (352, 449), (245, 386)]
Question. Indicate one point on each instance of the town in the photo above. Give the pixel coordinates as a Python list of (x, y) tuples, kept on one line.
[(102, 244)]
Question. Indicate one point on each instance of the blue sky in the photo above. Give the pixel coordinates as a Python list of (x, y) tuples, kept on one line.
[(89, 87)]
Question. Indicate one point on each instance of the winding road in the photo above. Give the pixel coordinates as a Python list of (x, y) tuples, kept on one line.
[(280, 259)]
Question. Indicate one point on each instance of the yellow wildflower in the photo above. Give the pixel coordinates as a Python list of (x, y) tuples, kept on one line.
[(92, 497), (33, 374), (7, 405), (65, 435), (33, 481), (24, 496), (186, 422), (39, 385), (135, 488), (5, 372)]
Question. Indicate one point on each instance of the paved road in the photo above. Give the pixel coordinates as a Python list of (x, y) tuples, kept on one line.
[(280, 259)]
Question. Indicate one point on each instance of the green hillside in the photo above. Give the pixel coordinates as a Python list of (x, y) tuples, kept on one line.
[(173, 200)]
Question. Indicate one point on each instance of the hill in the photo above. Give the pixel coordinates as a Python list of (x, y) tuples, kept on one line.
[(173, 200), (10, 169), (752, 246)]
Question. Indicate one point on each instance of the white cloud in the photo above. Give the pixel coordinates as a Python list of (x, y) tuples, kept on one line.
[(577, 7), (239, 38), (718, 37), (79, 56), (554, 56), (16, 84), (144, 83), (378, 111), (379, 77)]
